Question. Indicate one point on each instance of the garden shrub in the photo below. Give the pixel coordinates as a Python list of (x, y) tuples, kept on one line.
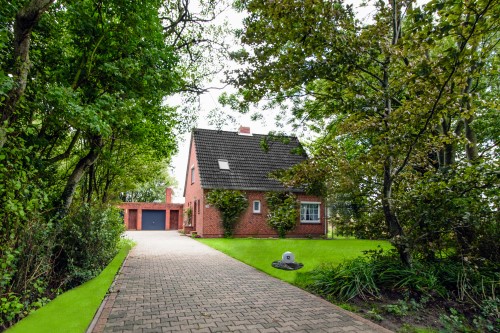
[(283, 212), (26, 271), (26, 235), (357, 214), (88, 241), (231, 204), (345, 281), (364, 226), (456, 208), (475, 287)]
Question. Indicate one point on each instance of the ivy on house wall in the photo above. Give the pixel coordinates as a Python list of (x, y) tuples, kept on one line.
[(283, 212), (231, 204)]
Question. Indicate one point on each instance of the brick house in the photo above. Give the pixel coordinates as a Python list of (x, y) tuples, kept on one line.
[(153, 215), (237, 161)]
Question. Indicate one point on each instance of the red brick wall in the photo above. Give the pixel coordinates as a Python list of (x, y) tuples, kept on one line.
[(255, 224), (140, 206), (193, 193)]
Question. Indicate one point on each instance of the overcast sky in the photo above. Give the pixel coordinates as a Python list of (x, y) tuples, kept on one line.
[(209, 102)]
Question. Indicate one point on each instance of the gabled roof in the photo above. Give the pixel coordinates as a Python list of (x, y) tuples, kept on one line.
[(249, 164)]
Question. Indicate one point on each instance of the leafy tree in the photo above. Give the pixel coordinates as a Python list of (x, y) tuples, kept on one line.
[(396, 99), (150, 191), (82, 100)]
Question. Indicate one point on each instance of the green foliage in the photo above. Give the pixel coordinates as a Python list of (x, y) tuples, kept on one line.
[(441, 279), (403, 307), (90, 122), (152, 190), (231, 204), (455, 322), (406, 132), (283, 212), (188, 212), (345, 281), (26, 238), (365, 226), (489, 318), (456, 208), (446, 279), (10, 307), (88, 241), (61, 314)]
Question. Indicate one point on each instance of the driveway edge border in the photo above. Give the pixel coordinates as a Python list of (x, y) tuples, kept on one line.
[(102, 314)]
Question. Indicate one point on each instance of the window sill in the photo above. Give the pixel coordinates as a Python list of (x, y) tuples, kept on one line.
[(310, 222)]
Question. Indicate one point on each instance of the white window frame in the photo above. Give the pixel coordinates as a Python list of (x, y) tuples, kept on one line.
[(256, 211), (318, 221), (192, 174)]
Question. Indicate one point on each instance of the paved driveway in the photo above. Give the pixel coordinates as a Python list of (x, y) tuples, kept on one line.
[(171, 283)]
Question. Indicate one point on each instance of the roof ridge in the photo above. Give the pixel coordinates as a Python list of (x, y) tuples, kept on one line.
[(236, 132)]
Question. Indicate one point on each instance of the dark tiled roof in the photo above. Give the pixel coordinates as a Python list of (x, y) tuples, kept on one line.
[(249, 163)]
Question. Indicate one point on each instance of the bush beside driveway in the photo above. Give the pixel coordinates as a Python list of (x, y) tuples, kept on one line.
[(73, 311)]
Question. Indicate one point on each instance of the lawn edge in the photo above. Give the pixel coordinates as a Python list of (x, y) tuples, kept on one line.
[(98, 316), (18, 327)]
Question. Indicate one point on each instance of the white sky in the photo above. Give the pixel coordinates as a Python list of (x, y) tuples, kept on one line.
[(209, 101)]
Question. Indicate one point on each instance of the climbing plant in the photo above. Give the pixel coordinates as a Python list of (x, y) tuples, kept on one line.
[(188, 212), (231, 204), (283, 212)]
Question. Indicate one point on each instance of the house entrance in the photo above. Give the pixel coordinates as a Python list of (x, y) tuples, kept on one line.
[(132, 219), (174, 219)]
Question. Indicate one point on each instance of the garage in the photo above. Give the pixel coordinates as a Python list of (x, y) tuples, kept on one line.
[(153, 219)]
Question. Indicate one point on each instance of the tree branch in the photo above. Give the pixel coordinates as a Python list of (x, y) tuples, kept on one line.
[(441, 92), (67, 153)]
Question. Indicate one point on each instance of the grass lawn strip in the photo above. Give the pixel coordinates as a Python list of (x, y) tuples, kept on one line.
[(74, 310), (260, 253)]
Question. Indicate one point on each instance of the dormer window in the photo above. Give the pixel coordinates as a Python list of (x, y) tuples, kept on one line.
[(223, 165)]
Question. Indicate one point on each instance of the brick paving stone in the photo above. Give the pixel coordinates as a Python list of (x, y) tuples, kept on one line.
[(172, 283)]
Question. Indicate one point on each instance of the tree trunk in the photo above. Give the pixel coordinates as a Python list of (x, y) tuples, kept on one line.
[(471, 145), (90, 188), (26, 19), (391, 219), (449, 148), (77, 174)]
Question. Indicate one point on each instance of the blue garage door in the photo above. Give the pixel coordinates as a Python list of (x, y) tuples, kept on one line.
[(153, 220)]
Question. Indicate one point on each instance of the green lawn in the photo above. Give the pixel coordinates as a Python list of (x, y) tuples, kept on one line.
[(74, 310), (260, 253)]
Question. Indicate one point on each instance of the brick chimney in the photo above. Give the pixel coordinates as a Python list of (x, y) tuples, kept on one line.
[(168, 195), (244, 131)]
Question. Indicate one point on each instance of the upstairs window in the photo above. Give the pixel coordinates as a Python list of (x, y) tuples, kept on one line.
[(223, 164), (309, 212), (256, 207), (192, 174)]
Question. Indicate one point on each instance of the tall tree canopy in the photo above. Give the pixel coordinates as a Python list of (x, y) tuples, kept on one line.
[(83, 119), (404, 103)]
